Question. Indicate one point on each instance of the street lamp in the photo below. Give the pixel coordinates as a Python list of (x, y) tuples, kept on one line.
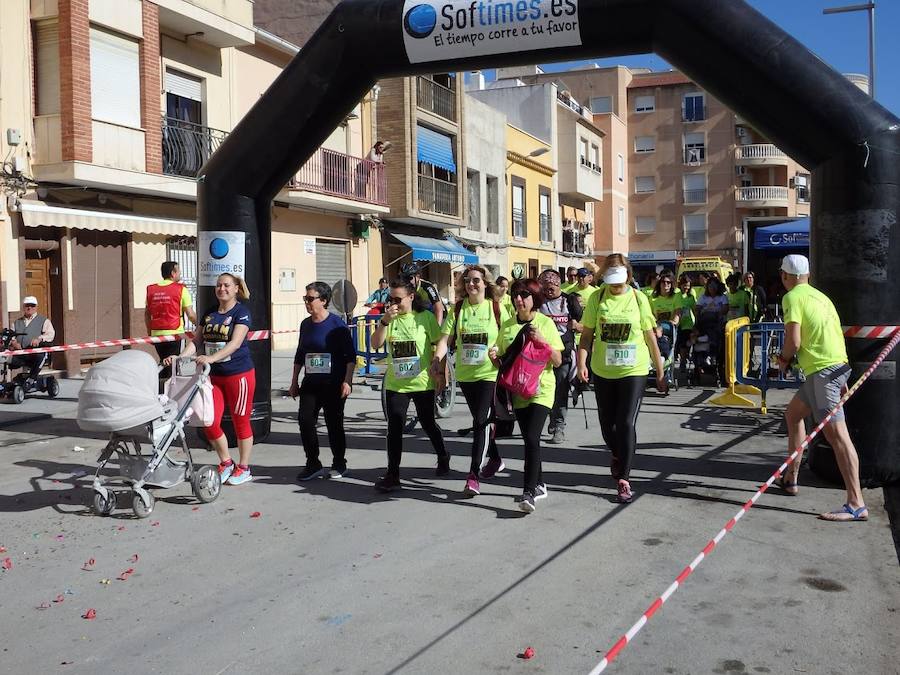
[(870, 8)]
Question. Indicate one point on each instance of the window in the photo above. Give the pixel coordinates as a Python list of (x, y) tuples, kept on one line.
[(801, 184), (644, 104), (184, 97), (436, 155), (695, 148), (583, 152), (473, 182), (695, 230), (601, 104), (643, 184), (645, 143), (595, 157), (46, 63), (693, 108), (519, 217), (620, 168), (623, 229), (644, 225), (115, 79), (545, 218), (493, 205), (694, 188)]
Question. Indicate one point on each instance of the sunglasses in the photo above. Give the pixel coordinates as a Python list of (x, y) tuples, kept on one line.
[(310, 298), (29, 305), (473, 280), (394, 300), (522, 294)]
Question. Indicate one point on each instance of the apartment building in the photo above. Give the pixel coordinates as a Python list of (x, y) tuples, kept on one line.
[(120, 105), (693, 172)]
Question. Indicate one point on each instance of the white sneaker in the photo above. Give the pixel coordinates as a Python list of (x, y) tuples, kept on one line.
[(540, 492)]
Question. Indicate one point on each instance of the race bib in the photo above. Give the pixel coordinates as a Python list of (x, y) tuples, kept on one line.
[(621, 354), (406, 368), (213, 347), (474, 349), (318, 364)]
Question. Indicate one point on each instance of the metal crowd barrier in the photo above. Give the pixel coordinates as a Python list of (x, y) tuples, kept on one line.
[(361, 329)]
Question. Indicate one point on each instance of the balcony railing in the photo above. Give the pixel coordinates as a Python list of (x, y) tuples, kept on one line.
[(695, 196), (438, 196), (569, 102), (334, 173), (574, 242), (759, 151), (187, 146), (436, 98), (519, 219), (766, 193), (546, 227), (695, 114), (695, 154)]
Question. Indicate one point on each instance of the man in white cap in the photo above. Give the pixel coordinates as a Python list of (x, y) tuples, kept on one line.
[(38, 331), (813, 333)]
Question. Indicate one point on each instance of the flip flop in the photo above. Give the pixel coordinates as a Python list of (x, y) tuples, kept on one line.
[(846, 514), (793, 489)]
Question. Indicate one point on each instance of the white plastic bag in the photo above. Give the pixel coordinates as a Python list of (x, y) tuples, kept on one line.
[(180, 388)]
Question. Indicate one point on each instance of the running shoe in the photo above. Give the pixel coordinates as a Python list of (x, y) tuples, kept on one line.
[(310, 472), (387, 483), (443, 465), (526, 502), (225, 471), (625, 495), (337, 471), (492, 468), (559, 436), (540, 492), (240, 476), (472, 488)]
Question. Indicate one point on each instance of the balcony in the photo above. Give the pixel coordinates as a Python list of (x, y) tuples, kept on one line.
[(436, 98), (760, 197), (695, 196), (338, 175), (694, 155), (187, 146), (519, 223), (760, 154), (546, 228), (574, 242), (566, 99), (438, 196)]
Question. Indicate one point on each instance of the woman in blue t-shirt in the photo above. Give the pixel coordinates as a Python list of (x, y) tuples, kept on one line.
[(221, 341), (326, 353)]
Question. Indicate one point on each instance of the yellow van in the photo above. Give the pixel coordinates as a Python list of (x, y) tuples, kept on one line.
[(693, 266)]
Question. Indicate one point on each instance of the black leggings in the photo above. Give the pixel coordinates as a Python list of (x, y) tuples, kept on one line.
[(561, 397), (313, 399), (618, 404), (397, 405), (531, 422), (480, 399)]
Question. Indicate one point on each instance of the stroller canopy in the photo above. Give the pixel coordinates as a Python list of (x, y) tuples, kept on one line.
[(120, 393)]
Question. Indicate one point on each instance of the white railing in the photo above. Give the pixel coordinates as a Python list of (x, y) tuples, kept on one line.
[(761, 194), (760, 151)]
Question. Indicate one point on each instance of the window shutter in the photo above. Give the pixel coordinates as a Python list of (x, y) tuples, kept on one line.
[(184, 85), (115, 79), (46, 40)]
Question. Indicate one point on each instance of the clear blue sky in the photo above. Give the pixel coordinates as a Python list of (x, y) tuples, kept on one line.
[(841, 40)]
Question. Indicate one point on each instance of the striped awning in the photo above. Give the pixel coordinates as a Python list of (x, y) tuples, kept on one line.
[(39, 214)]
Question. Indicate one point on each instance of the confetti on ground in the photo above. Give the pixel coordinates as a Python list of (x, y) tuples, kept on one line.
[(377, 555), (2, 549), (528, 653), (120, 528), (127, 573), (106, 582), (133, 558), (69, 591), (43, 605), (155, 523), (90, 614), (77, 448), (60, 537), (196, 508), (60, 598), (255, 514), (88, 565), (7, 563)]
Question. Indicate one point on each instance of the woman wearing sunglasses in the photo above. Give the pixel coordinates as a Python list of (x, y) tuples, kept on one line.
[(326, 354), (410, 332), (531, 413), (618, 323), (474, 322)]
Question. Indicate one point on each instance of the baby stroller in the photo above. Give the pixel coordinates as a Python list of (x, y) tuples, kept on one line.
[(119, 396), (706, 341), (667, 351)]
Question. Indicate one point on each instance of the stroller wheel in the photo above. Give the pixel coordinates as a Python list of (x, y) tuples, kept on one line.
[(140, 509), (104, 506), (206, 484)]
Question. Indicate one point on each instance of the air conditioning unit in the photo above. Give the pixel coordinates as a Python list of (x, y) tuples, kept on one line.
[(742, 131), (740, 170)]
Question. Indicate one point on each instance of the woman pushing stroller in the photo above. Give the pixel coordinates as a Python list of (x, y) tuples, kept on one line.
[(221, 342)]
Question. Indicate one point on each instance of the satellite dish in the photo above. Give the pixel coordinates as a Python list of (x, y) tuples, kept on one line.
[(344, 297)]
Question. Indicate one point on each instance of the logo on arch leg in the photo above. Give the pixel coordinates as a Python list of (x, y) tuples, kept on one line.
[(420, 21), (218, 248)]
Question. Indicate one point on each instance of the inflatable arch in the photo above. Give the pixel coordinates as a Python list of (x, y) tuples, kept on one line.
[(849, 142)]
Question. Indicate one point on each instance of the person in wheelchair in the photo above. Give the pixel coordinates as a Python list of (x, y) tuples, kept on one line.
[(666, 307), (37, 331), (708, 338)]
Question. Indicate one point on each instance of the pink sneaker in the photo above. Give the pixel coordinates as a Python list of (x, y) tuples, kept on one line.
[(492, 467), (472, 489), (625, 495)]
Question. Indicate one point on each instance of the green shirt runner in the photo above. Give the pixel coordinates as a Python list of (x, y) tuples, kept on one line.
[(545, 326), (821, 337), (476, 334), (619, 322), (410, 343)]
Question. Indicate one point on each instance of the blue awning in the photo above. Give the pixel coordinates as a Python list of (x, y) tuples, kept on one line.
[(438, 250), (435, 148), (792, 234)]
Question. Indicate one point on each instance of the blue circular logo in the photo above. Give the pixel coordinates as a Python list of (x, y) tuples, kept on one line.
[(218, 248), (420, 21)]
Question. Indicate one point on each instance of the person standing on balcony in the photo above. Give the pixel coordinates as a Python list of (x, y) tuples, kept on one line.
[(812, 333), (167, 303), (364, 169)]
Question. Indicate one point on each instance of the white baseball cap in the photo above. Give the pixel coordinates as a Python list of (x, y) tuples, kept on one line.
[(795, 264), (30, 300), (615, 275)]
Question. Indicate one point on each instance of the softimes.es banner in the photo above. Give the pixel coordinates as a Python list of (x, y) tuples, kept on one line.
[(437, 31)]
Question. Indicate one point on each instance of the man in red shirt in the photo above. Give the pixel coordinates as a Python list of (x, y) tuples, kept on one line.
[(168, 301)]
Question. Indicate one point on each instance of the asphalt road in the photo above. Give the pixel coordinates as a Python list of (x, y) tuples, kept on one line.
[(335, 578)]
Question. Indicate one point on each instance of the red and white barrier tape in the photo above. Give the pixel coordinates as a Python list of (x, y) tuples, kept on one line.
[(869, 332), (687, 571), (253, 336)]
